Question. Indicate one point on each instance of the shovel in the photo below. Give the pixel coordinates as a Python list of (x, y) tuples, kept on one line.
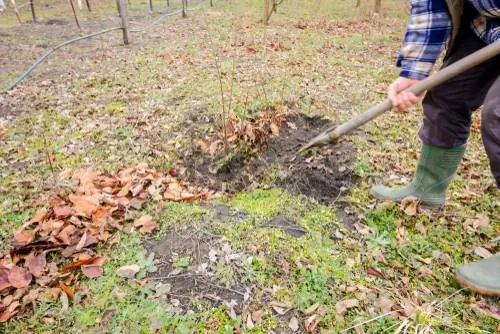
[(332, 134)]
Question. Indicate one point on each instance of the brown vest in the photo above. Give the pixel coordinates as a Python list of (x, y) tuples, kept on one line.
[(456, 9)]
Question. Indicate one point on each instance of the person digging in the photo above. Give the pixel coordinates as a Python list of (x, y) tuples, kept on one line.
[(467, 26)]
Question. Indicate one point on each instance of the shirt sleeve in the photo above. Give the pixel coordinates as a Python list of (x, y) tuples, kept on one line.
[(427, 33)]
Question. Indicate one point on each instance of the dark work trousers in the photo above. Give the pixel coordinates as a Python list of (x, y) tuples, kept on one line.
[(448, 107)]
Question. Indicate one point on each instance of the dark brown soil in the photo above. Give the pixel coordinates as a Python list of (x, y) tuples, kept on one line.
[(203, 250), (286, 225), (322, 174)]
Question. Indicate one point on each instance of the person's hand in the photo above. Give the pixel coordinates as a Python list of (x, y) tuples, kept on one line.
[(402, 100)]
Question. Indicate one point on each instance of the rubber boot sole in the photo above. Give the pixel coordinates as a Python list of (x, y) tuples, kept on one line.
[(476, 288)]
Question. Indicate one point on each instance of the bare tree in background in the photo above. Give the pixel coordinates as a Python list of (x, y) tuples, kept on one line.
[(377, 5), (270, 7)]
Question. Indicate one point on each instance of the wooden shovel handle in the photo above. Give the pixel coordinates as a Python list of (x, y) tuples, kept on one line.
[(434, 80)]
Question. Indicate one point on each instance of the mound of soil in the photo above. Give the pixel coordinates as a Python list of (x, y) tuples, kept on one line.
[(322, 174)]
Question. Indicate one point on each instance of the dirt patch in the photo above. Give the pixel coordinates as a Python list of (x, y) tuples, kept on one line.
[(286, 225), (322, 174), (190, 266)]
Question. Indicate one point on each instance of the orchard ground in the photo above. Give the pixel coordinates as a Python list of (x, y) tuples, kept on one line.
[(279, 250)]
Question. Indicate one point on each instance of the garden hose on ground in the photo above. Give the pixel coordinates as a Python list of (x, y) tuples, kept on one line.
[(51, 50)]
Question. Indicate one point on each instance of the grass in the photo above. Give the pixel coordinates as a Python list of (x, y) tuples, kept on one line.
[(110, 114)]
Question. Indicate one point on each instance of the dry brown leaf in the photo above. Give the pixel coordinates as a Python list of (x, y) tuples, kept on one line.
[(62, 211), (410, 205), (10, 311), (4, 278), (81, 243), (250, 324), (36, 263), (311, 309), (257, 316), (145, 223), (125, 190), (128, 271), (84, 205), (23, 237), (482, 252), (384, 303), (64, 301), (312, 323), (78, 263), (374, 272), (293, 324), (38, 217), (66, 234), (344, 305), (67, 290), (274, 129), (19, 277), (92, 270)]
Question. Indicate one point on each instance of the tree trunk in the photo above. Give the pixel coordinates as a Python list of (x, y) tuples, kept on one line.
[(184, 8), (32, 5), (88, 5), (267, 7), (16, 11), (122, 8), (74, 14), (151, 6), (378, 5)]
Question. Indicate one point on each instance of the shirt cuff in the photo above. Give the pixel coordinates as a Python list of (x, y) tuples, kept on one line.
[(413, 69)]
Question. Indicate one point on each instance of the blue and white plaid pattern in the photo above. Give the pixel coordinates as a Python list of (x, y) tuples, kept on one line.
[(430, 27)]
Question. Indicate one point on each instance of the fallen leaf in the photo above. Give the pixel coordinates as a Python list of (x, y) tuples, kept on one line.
[(36, 263), (38, 217), (384, 303), (4, 278), (311, 323), (250, 324), (92, 270), (145, 223), (19, 277), (62, 211), (344, 305), (293, 324), (64, 301), (374, 272), (67, 290), (274, 129), (482, 252), (311, 309), (10, 311), (66, 234), (128, 271), (81, 243), (84, 205), (77, 264), (23, 238), (410, 205), (7, 300), (257, 316)]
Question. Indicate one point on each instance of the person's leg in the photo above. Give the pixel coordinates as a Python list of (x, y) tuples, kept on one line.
[(448, 107), (490, 128), (446, 125)]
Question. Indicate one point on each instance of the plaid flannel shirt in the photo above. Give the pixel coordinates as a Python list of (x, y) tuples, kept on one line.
[(430, 27)]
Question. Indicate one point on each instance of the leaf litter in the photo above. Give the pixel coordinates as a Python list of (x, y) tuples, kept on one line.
[(90, 212)]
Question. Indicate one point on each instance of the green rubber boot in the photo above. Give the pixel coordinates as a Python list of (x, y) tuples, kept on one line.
[(482, 277), (435, 170)]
